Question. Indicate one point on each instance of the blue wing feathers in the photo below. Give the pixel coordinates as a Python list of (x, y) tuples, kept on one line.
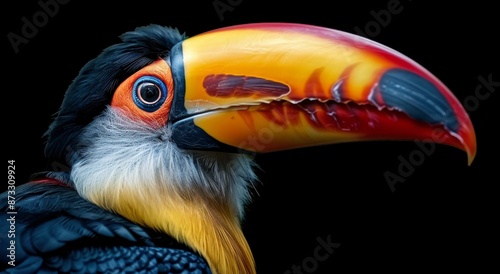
[(59, 232), (100, 229)]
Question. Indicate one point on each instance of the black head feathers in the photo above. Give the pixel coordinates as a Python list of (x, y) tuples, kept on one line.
[(93, 88)]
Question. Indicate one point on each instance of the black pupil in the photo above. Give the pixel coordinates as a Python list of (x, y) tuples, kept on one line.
[(149, 92)]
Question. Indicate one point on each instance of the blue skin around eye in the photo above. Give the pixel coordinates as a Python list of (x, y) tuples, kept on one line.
[(156, 81)]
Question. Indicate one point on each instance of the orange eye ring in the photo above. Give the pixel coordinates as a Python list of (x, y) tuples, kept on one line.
[(147, 94)]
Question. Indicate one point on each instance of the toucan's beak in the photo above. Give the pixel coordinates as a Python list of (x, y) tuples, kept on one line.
[(276, 86)]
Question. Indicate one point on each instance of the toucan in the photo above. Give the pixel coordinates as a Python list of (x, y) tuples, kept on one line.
[(159, 133)]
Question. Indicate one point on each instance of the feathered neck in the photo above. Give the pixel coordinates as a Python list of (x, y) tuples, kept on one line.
[(196, 197)]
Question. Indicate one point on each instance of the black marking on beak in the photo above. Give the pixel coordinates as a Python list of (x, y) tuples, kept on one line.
[(417, 97)]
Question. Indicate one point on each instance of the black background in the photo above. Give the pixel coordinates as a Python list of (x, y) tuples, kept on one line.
[(440, 218)]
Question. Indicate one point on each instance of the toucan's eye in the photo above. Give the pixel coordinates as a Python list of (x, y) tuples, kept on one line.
[(149, 93)]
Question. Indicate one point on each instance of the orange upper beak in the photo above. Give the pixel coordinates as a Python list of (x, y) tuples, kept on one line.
[(275, 86)]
